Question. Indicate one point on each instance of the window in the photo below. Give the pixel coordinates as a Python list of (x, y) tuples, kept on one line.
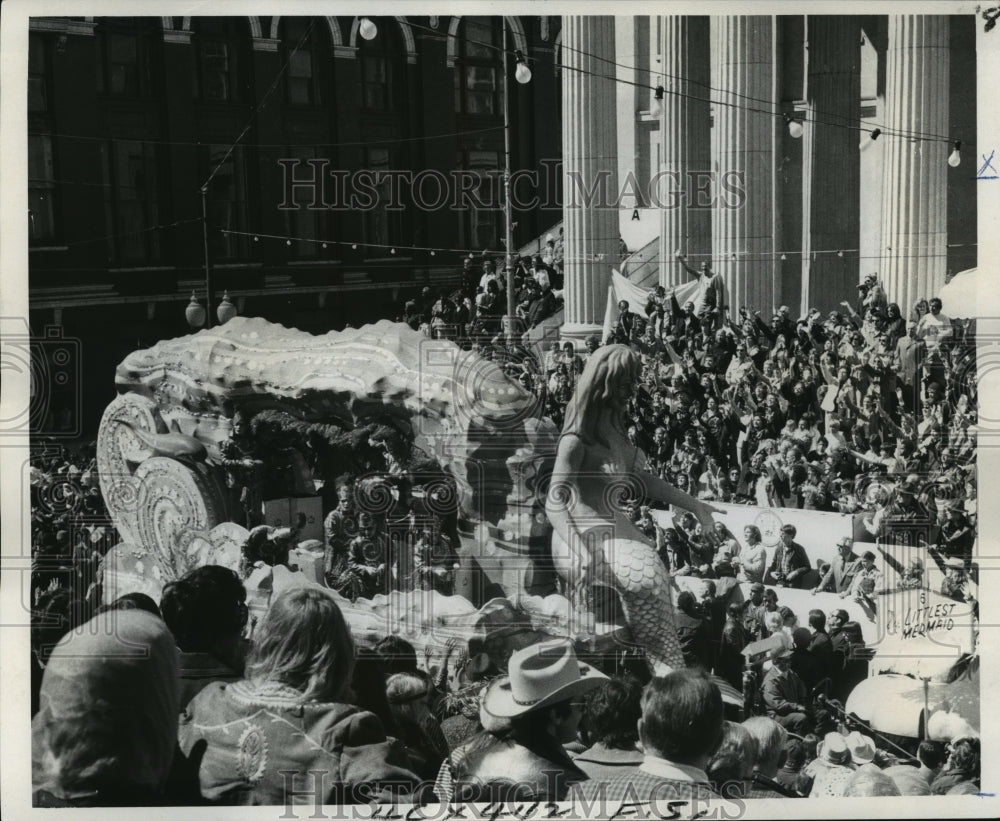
[(227, 203), (300, 51), (131, 201), (381, 225), (377, 91), (124, 50), (123, 65), (215, 79), (38, 72), (478, 66), (41, 189), (379, 70), (221, 45), (481, 223), (304, 222)]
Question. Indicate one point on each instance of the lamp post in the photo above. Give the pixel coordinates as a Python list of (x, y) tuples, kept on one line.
[(196, 315), (208, 267)]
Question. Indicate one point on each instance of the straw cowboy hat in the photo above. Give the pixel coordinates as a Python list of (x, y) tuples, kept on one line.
[(862, 748), (833, 749), (539, 676)]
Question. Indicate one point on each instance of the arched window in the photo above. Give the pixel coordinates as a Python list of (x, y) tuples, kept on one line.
[(222, 49), (301, 49), (127, 48), (384, 119), (478, 66), (381, 68)]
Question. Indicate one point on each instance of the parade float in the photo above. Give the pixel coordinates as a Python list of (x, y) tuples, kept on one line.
[(226, 445), (230, 441)]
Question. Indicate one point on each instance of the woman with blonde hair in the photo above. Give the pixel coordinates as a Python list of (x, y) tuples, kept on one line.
[(596, 473), (752, 559), (287, 732), (409, 694)]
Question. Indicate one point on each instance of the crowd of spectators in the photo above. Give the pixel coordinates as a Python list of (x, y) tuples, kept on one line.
[(860, 412), (71, 532), (136, 710)]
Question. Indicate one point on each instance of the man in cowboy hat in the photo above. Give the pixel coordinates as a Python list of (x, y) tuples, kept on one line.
[(538, 705), (831, 768), (680, 728), (785, 694), (862, 748)]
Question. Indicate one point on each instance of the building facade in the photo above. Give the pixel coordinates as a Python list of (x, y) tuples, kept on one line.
[(825, 203), (130, 117)]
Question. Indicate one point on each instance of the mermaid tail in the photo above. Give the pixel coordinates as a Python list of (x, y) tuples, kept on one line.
[(643, 584), (631, 566)]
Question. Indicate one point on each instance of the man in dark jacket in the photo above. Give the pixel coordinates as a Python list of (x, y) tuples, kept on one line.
[(542, 306), (790, 561), (693, 632), (785, 694)]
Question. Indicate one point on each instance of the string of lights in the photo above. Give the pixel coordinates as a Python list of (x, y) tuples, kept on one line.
[(795, 121), (812, 116), (393, 249)]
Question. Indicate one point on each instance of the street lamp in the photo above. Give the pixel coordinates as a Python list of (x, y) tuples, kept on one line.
[(522, 75), (195, 314)]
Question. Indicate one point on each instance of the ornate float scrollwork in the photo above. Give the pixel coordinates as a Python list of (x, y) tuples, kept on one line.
[(119, 451), (175, 504)]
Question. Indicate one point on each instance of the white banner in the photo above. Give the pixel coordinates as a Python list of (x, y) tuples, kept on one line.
[(818, 532), (621, 288)]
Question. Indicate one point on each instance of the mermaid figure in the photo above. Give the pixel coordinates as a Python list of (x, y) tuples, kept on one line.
[(593, 541)]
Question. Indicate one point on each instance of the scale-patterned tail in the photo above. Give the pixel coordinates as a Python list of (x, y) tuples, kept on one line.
[(644, 586)]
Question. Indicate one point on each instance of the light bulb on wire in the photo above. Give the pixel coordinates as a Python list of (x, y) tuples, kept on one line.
[(656, 109), (955, 158), (794, 126), (867, 141), (522, 73), (367, 29)]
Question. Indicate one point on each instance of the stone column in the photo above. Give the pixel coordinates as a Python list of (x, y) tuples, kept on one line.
[(831, 163), (685, 220), (914, 195), (743, 157), (590, 170)]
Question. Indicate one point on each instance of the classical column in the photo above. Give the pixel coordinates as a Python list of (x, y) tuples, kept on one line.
[(590, 170), (914, 195), (685, 162), (831, 163), (743, 156)]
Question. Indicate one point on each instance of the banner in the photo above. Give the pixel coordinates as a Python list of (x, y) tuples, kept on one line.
[(621, 288), (817, 531)]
